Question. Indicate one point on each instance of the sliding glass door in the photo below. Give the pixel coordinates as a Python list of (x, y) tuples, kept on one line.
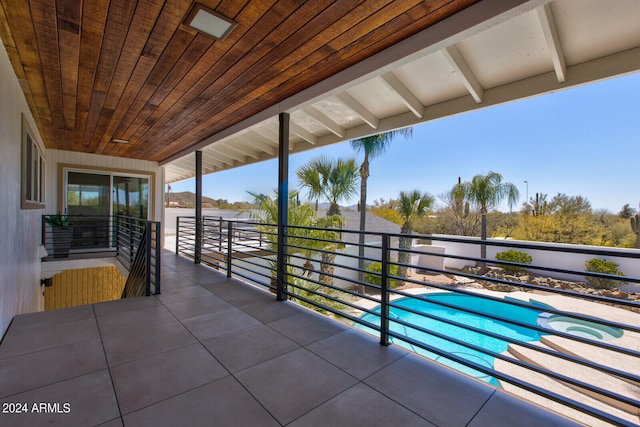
[(91, 197), (88, 194), (131, 196), (103, 193)]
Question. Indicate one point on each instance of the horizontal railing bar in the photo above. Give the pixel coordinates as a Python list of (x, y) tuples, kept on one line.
[(599, 298), (317, 282), (525, 266)]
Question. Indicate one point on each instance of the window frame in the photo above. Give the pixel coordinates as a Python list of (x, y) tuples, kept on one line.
[(32, 170)]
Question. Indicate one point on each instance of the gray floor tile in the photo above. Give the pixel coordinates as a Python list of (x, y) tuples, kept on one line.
[(214, 325), (360, 406), (221, 403), (90, 401), (356, 353), (436, 393), (171, 259), (161, 376), (188, 268), (249, 347), (293, 384), (239, 294), (51, 317), (182, 294), (113, 423), (135, 319), (124, 305), (25, 341), (208, 304), (173, 279), (136, 341), (45, 367), (505, 410), (307, 327), (271, 310), (205, 275)]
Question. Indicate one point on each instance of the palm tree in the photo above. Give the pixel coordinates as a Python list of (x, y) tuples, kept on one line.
[(411, 206), (372, 147), (304, 241), (334, 180), (488, 191)]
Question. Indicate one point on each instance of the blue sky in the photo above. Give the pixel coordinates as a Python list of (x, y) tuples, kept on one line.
[(582, 141)]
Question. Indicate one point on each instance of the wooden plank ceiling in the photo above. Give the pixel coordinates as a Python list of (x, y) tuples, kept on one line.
[(96, 70)]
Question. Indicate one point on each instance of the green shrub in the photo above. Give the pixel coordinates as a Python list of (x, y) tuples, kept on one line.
[(513, 256), (376, 279), (597, 265)]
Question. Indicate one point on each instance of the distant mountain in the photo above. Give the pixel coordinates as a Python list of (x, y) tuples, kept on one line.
[(187, 199), (326, 205)]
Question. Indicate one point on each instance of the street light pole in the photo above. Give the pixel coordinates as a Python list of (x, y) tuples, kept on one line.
[(527, 193)]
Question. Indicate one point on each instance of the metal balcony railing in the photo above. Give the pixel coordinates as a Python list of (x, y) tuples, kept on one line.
[(134, 242), (560, 343)]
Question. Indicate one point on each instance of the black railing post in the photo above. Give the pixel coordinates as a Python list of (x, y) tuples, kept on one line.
[(43, 239), (147, 272), (384, 294), (158, 257), (283, 205), (229, 246), (177, 235), (198, 250), (220, 234), (131, 251), (116, 234)]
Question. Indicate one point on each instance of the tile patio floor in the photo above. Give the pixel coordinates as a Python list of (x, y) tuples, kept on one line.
[(214, 351)]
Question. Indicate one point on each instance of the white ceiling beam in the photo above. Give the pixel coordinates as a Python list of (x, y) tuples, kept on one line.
[(267, 133), (325, 121), (260, 142), (303, 133), (550, 31), (359, 109), (404, 93), (272, 135), (222, 151), (462, 69), (216, 154), (234, 146)]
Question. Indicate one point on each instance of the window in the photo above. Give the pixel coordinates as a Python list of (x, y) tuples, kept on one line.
[(33, 170), (97, 192)]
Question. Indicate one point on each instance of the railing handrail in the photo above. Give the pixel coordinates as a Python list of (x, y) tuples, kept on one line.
[(117, 235)]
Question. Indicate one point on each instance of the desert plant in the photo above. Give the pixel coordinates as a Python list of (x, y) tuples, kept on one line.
[(373, 276), (513, 256), (597, 265), (635, 226)]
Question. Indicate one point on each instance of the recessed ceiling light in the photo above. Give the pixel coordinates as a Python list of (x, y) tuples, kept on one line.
[(209, 22), (119, 141)]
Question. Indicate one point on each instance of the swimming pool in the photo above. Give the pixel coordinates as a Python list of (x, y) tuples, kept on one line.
[(524, 315)]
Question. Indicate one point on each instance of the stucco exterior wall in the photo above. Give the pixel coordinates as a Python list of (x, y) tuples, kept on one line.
[(20, 290)]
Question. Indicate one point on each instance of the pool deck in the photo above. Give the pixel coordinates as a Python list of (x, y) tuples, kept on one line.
[(216, 351)]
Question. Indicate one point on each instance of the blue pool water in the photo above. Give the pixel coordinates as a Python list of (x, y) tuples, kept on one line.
[(521, 314)]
